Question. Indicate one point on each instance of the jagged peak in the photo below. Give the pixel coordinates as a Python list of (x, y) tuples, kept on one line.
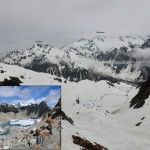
[(42, 45)]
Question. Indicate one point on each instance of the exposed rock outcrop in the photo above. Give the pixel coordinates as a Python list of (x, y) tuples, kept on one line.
[(87, 145), (146, 44), (144, 92), (56, 110), (13, 81), (64, 117), (36, 110), (4, 107)]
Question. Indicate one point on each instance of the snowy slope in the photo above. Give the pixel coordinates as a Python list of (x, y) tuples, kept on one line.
[(102, 114), (93, 59), (28, 77), (105, 43)]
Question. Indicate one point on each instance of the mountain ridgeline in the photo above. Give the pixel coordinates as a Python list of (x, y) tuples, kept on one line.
[(36, 110), (98, 58), (31, 110), (4, 107)]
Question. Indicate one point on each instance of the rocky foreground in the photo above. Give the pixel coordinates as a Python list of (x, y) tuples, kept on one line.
[(45, 134)]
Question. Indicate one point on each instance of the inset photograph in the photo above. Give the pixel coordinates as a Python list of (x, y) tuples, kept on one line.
[(30, 117)]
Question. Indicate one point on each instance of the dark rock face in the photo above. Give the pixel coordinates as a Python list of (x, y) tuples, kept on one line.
[(59, 103), (8, 108), (146, 44), (138, 124), (144, 92), (64, 117), (86, 144), (68, 72), (116, 54), (56, 111), (77, 101), (14, 81), (1, 71), (36, 110)]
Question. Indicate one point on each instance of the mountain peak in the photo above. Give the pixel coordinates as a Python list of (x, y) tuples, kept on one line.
[(41, 45), (95, 58), (43, 103)]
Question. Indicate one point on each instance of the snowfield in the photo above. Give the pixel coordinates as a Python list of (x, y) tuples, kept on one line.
[(102, 114), (29, 77), (106, 43), (28, 122)]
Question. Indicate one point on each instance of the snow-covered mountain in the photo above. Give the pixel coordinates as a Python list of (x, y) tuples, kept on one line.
[(4, 107), (31, 110), (97, 58), (21, 104), (36, 110), (28, 77), (100, 111)]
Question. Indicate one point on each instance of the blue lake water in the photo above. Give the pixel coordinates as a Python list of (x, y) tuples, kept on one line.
[(7, 124), (22, 123), (5, 132)]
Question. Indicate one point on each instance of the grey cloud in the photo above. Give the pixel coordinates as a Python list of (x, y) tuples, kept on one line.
[(142, 53), (23, 22)]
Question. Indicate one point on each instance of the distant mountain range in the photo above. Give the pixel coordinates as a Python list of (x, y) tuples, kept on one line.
[(99, 97), (98, 58), (4, 107), (31, 110)]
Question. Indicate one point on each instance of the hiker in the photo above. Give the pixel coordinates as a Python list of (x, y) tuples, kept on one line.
[(42, 140), (37, 140), (28, 139), (29, 143), (49, 128), (37, 144)]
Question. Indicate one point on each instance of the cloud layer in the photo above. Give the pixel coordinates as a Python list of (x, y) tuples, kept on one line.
[(61, 22), (30, 94)]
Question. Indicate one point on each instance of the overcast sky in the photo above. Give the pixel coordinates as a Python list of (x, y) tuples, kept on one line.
[(60, 22)]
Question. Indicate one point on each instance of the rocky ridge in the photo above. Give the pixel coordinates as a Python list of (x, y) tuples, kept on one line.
[(43, 135)]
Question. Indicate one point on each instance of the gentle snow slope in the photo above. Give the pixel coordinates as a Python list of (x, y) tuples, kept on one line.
[(29, 77)]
